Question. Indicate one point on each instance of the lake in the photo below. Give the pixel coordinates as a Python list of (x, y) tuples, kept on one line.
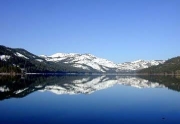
[(89, 99)]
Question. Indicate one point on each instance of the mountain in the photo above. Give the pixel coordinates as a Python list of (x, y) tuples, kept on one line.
[(19, 87), (171, 66), (84, 61), (14, 60), (89, 62), (139, 64)]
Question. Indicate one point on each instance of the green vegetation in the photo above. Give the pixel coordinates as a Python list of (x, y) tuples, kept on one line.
[(170, 67)]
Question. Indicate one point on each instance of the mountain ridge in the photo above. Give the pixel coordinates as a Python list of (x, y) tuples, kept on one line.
[(100, 64), (65, 62)]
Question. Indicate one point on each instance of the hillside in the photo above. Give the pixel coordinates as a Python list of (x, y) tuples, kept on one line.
[(171, 66), (12, 60)]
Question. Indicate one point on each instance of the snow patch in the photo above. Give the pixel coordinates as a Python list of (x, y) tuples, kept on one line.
[(5, 57), (4, 89), (39, 60), (20, 55), (42, 56), (19, 91)]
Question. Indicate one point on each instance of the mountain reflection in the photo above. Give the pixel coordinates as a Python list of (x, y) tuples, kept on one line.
[(20, 87)]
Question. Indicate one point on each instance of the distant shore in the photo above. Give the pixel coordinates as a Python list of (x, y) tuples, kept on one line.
[(73, 73)]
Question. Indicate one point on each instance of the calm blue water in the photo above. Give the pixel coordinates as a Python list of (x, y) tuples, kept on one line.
[(88, 100)]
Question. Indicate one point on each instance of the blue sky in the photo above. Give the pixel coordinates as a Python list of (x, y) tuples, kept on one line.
[(118, 30)]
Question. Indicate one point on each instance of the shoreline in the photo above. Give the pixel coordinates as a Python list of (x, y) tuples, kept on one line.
[(121, 74)]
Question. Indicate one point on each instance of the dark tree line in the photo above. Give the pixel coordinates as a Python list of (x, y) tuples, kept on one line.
[(171, 66)]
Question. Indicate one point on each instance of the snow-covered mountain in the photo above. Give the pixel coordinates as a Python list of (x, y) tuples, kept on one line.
[(139, 64), (67, 62), (88, 62), (84, 61)]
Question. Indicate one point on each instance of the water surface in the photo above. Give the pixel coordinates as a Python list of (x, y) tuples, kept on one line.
[(89, 99)]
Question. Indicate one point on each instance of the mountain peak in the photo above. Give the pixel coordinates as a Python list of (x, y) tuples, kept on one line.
[(137, 61), (63, 54)]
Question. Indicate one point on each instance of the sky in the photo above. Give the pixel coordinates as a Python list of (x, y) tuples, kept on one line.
[(117, 30)]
